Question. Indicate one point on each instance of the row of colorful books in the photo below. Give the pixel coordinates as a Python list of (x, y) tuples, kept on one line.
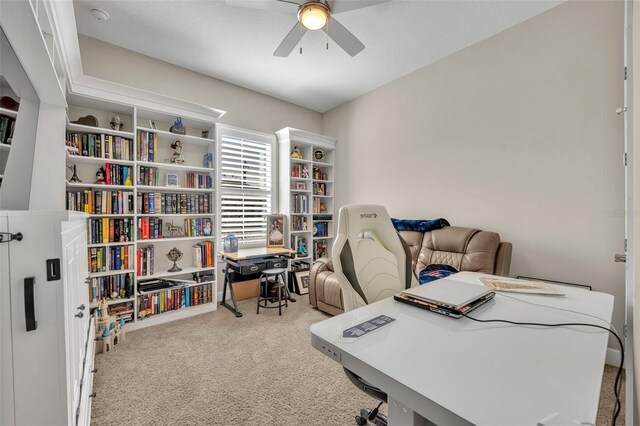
[(203, 254), (100, 202), (201, 227), (147, 145), (110, 230), (300, 203), (145, 261), (149, 228), (148, 176), (173, 299), (299, 171), (117, 174), (113, 258), (121, 310), (299, 223), (93, 145), (320, 174), (111, 287), (173, 203), (321, 229), (320, 188), (198, 180), (7, 126), (319, 206)]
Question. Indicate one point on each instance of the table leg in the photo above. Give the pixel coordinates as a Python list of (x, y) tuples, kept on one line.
[(400, 414), (229, 282)]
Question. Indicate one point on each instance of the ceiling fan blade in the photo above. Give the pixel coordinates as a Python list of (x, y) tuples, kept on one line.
[(286, 6), (343, 37), (338, 6), (290, 41)]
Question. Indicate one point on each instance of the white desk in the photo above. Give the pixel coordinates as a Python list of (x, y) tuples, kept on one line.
[(457, 371)]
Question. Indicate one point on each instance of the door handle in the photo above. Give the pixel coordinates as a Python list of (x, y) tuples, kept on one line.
[(620, 258), (30, 303)]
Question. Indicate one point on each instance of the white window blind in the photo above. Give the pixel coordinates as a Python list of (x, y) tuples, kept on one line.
[(245, 188)]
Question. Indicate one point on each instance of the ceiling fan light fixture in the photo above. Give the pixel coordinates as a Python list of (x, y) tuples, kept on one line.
[(313, 15)]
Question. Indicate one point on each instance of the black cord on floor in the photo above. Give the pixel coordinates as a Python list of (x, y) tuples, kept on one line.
[(618, 383)]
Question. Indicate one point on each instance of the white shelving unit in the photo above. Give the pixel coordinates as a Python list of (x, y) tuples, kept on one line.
[(306, 190), (137, 124)]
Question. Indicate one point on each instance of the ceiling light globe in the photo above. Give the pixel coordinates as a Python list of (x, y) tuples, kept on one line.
[(313, 16)]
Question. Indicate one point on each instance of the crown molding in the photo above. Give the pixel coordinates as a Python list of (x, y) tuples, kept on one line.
[(305, 136)]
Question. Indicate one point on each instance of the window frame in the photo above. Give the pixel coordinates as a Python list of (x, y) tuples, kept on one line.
[(223, 130)]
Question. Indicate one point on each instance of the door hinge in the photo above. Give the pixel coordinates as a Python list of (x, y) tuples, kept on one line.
[(625, 245), (625, 73), (625, 158), (624, 330)]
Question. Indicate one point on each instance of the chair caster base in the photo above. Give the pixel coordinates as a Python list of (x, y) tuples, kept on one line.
[(379, 419)]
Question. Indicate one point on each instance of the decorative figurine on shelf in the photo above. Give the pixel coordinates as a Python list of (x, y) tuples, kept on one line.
[(174, 230), (176, 157), (318, 155), (304, 225), (302, 249), (296, 153), (178, 127), (75, 177), (304, 174), (100, 176), (116, 123), (174, 255)]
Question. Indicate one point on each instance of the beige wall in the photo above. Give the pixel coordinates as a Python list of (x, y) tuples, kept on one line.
[(516, 134), (245, 108)]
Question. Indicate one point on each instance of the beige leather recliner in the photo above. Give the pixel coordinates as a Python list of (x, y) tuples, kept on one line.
[(466, 249)]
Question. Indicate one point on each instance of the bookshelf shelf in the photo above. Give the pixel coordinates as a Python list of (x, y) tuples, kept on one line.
[(174, 315), (107, 273), (294, 199), (9, 112), (169, 166), (180, 285), (80, 159), (172, 189), (135, 152), (4, 147), (194, 215), (169, 239), (129, 243), (97, 185), (112, 302), (185, 271), (79, 128), (165, 136)]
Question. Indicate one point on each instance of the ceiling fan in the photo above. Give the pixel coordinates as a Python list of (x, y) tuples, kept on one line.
[(316, 15)]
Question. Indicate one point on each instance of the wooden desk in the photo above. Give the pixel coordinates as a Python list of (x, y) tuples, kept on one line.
[(248, 262)]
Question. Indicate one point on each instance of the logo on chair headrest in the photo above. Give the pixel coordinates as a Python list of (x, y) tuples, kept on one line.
[(368, 215)]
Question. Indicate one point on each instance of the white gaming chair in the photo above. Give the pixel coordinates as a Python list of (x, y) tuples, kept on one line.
[(372, 262)]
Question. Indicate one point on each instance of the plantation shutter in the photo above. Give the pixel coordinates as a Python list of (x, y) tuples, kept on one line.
[(245, 188)]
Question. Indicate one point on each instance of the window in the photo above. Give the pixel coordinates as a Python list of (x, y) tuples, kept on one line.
[(246, 184)]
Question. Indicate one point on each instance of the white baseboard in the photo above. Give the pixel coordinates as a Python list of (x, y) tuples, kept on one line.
[(613, 357)]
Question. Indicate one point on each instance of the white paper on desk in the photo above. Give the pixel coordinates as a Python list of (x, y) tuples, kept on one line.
[(520, 286)]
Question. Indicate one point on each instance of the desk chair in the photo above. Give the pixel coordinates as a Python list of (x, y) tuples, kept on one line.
[(372, 263)]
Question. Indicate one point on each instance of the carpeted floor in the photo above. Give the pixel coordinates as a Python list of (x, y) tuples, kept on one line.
[(214, 369)]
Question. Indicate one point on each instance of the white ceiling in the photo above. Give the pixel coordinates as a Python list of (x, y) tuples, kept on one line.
[(236, 44)]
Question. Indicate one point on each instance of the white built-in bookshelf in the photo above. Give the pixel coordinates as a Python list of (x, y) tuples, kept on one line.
[(306, 191), (143, 192)]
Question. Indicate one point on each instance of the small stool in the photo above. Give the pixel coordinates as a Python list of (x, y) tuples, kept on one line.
[(263, 291)]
